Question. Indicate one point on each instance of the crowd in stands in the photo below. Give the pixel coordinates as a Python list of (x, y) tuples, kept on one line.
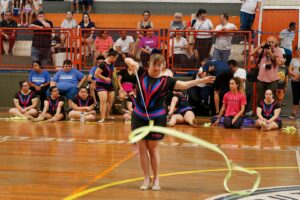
[(229, 97)]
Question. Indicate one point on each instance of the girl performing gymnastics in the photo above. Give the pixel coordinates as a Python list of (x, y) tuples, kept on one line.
[(83, 103), (180, 110), (149, 105), (53, 107), (104, 86)]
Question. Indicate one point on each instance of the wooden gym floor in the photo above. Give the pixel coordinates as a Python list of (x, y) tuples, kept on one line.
[(54, 160)]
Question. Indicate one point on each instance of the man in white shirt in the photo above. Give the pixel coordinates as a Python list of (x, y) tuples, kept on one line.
[(223, 40), (124, 46), (286, 39), (247, 13)]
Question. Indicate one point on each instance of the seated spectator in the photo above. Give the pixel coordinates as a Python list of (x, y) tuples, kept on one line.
[(178, 23), (83, 103), (223, 75), (92, 79), (86, 5), (104, 86), (268, 111), (102, 44), (124, 47), (25, 102), (41, 41), (180, 50), (68, 80), (234, 103), (54, 107), (147, 44), (69, 22), (88, 35), (26, 10), (39, 81), (145, 23), (8, 35), (180, 111), (222, 47)]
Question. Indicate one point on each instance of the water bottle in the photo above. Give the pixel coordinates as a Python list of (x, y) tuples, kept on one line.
[(82, 117)]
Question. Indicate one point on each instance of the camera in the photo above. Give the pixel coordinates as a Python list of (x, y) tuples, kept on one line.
[(266, 46), (268, 66)]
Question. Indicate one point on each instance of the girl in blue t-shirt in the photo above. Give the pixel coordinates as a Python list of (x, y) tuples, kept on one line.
[(39, 81)]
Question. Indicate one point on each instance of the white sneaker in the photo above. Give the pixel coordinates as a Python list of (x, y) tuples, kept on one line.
[(156, 188), (101, 121)]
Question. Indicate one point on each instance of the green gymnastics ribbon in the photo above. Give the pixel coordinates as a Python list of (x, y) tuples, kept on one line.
[(139, 133), (289, 130)]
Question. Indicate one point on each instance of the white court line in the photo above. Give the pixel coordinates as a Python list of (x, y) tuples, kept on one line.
[(298, 159)]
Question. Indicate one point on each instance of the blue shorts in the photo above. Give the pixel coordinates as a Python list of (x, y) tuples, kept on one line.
[(70, 93)]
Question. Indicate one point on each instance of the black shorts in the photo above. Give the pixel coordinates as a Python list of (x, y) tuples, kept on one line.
[(137, 122), (104, 87)]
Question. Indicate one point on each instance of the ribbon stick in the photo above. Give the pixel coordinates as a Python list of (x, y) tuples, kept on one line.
[(140, 133), (139, 84)]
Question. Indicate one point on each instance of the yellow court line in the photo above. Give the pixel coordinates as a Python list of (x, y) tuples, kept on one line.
[(101, 187), (104, 173)]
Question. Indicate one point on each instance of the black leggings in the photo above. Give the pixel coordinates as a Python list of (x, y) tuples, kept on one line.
[(296, 92), (237, 124)]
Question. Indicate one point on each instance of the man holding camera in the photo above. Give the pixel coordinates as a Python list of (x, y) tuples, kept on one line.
[(270, 57)]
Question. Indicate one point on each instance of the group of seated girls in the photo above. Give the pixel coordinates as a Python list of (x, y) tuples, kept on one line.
[(234, 101), (179, 111), (26, 102)]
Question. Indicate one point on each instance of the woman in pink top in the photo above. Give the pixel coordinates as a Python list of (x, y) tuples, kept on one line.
[(147, 44), (234, 103), (102, 44)]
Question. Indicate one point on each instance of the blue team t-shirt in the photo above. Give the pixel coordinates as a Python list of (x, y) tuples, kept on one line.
[(67, 80), (92, 72), (219, 67), (39, 79)]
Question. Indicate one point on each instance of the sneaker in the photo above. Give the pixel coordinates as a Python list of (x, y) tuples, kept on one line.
[(156, 188), (101, 121), (292, 116)]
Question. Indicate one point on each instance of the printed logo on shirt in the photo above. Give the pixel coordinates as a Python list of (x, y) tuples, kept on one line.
[(38, 80), (65, 77)]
